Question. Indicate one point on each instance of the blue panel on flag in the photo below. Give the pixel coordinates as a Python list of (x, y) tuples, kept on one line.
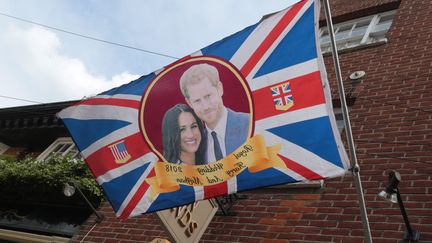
[(227, 47), (92, 130), (314, 135), (136, 87), (298, 46), (121, 147), (185, 195), (247, 180), (120, 187)]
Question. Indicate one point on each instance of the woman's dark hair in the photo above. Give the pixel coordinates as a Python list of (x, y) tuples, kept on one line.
[(171, 135)]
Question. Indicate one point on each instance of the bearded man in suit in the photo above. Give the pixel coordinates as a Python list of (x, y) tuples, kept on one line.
[(225, 129)]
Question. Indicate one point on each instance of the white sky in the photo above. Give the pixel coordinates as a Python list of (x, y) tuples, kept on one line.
[(45, 65)]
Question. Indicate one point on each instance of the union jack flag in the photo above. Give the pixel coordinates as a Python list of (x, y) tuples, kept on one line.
[(282, 46), (282, 97)]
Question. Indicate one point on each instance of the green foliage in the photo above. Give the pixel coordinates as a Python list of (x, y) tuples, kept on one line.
[(42, 181)]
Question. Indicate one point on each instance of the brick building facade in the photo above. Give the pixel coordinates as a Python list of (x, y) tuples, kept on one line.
[(391, 117)]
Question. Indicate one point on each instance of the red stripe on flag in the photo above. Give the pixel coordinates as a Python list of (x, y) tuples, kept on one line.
[(103, 160), (271, 38), (134, 201), (111, 101), (306, 91), (137, 197), (215, 190), (300, 169)]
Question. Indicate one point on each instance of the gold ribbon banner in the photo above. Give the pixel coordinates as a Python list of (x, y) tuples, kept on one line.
[(253, 154)]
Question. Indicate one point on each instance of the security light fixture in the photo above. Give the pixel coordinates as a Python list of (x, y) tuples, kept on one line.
[(357, 75), (392, 193), (69, 190)]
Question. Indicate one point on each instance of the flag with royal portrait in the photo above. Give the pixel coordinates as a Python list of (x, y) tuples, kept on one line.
[(274, 89)]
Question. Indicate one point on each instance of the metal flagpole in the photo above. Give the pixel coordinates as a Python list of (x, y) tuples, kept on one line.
[(353, 156)]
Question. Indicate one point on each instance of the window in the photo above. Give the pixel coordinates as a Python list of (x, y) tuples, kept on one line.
[(3, 148), (358, 32), (340, 122), (61, 146), (339, 119)]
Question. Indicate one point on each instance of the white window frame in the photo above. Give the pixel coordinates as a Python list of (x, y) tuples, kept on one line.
[(64, 142), (3, 148), (374, 33)]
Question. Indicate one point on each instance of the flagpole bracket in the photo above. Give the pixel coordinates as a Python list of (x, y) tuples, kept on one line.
[(355, 169), (226, 204)]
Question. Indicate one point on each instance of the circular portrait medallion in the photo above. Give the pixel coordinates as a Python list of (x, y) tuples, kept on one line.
[(197, 111)]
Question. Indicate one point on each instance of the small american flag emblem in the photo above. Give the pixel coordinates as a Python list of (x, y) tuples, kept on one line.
[(120, 152)]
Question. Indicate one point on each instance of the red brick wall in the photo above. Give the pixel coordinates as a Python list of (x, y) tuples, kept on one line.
[(392, 128)]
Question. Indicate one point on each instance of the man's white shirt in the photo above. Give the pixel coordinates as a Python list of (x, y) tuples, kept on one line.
[(220, 130)]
